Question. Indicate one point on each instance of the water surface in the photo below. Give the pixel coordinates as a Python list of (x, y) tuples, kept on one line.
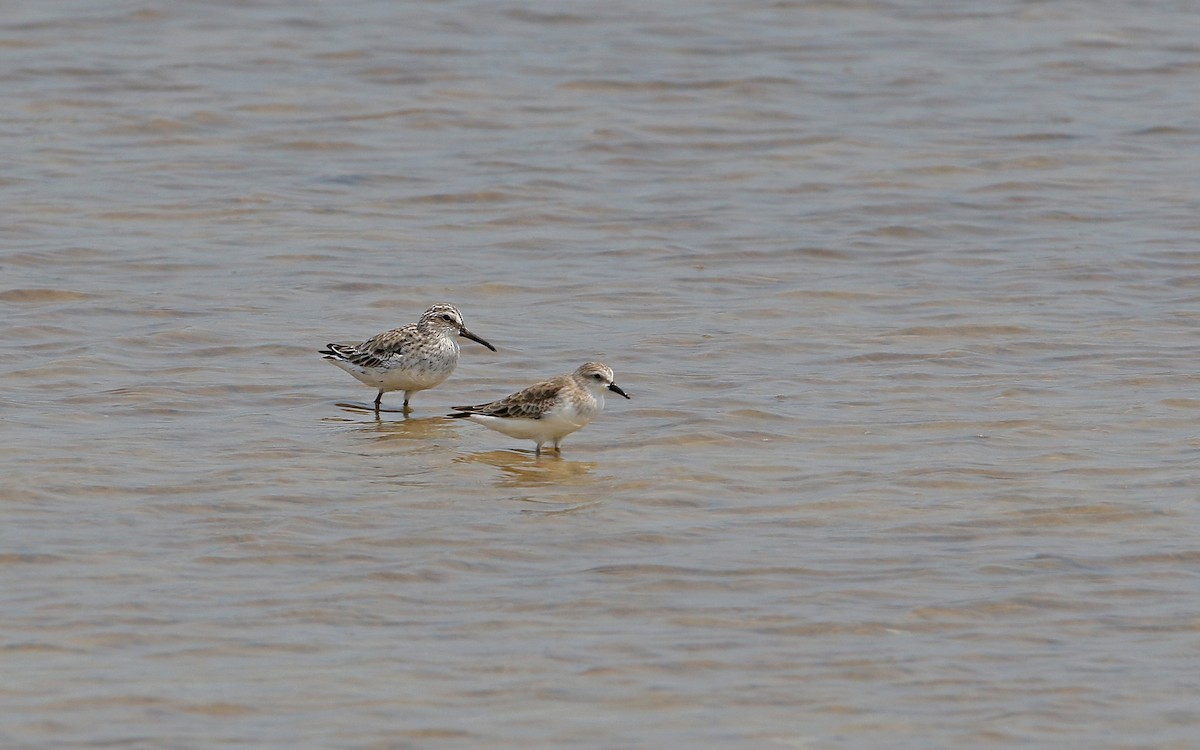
[(904, 293)]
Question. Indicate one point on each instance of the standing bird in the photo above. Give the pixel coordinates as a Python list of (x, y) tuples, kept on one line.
[(550, 410), (410, 359)]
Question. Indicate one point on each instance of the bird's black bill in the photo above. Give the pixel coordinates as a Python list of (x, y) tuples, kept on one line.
[(473, 337), (617, 389)]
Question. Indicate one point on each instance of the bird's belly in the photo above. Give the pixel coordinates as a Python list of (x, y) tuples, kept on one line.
[(542, 430), (399, 376)]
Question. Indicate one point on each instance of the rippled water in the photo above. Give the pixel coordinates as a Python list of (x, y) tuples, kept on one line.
[(905, 294)]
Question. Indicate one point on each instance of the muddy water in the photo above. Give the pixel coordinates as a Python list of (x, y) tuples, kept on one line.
[(904, 293)]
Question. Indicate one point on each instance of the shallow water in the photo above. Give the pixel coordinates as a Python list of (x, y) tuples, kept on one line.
[(905, 295)]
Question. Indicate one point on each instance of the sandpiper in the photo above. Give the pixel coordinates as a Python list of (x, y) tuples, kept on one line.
[(410, 359), (550, 410)]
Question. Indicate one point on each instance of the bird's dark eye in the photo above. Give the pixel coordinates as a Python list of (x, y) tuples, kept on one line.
[(447, 318), (598, 376)]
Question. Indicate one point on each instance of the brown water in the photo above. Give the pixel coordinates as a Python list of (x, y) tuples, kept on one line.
[(905, 294)]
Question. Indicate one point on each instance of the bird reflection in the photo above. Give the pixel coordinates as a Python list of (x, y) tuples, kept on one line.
[(364, 409), (521, 468), (404, 427)]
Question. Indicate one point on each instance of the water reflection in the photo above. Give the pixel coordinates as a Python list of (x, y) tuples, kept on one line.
[(520, 468), (394, 424), (356, 407)]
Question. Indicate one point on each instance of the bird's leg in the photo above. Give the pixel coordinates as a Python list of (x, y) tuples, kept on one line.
[(537, 451), (407, 408), (556, 448), (378, 400)]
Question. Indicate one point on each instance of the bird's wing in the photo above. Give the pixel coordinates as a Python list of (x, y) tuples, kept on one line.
[(376, 350), (530, 403)]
